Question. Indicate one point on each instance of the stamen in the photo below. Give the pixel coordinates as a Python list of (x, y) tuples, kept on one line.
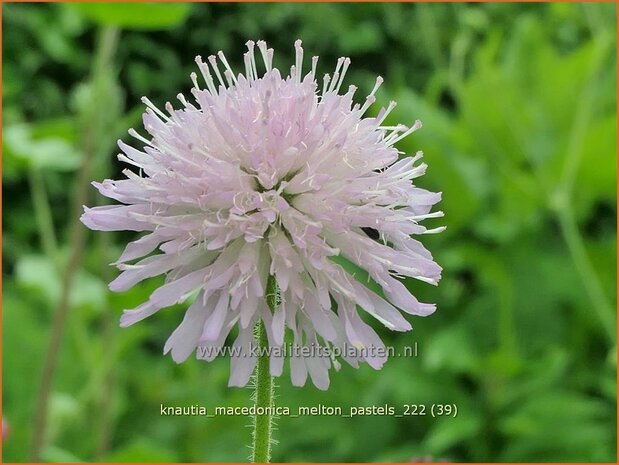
[(336, 74), (298, 59), (434, 231), (379, 82), (194, 80), (412, 129), (344, 69), (314, 65), (370, 99), (250, 47), (170, 109), (266, 56), (229, 77), (152, 106), (181, 98), (206, 74), (248, 69), (213, 61), (394, 133), (270, 53), (437, 214), (325, 83), (384, 112), (418, 156), (122, 157), (336, 77), (340, 62), (351, 90), (222, 57), (281, 187), (133, 133)]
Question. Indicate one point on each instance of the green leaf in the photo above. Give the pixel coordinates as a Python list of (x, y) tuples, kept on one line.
[(452, 350), (26, 334), (462, 179), (64, 409), (142, 450), (38, 273), (55, 454), (142, 16), (449, 432), (51, 152), (58, 128), (579, 423)]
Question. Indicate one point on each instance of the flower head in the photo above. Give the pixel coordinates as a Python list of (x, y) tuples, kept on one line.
[(264, 175)]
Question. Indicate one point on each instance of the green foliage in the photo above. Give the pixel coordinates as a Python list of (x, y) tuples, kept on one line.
[(519, 110), (39, 146), (142, 16), (39, 275)]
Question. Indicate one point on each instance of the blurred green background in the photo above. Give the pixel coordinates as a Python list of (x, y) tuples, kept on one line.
[(519, 109)]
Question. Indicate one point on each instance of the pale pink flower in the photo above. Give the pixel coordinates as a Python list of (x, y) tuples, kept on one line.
[(268, 175)]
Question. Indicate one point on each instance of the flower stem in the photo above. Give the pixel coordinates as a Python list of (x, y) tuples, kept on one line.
[(43, 215), (105, 54), (263, 424), (562, 203), (584, 267)]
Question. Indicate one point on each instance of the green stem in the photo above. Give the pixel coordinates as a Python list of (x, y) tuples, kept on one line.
[(587, 271), (430, 34), (43, 215), (106, 49), (263, 424), (562, 202)]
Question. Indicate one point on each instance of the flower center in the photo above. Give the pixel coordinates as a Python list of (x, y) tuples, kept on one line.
[(268, 203)]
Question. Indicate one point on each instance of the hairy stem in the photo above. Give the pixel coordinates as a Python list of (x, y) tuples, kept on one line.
[(263, 424)]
